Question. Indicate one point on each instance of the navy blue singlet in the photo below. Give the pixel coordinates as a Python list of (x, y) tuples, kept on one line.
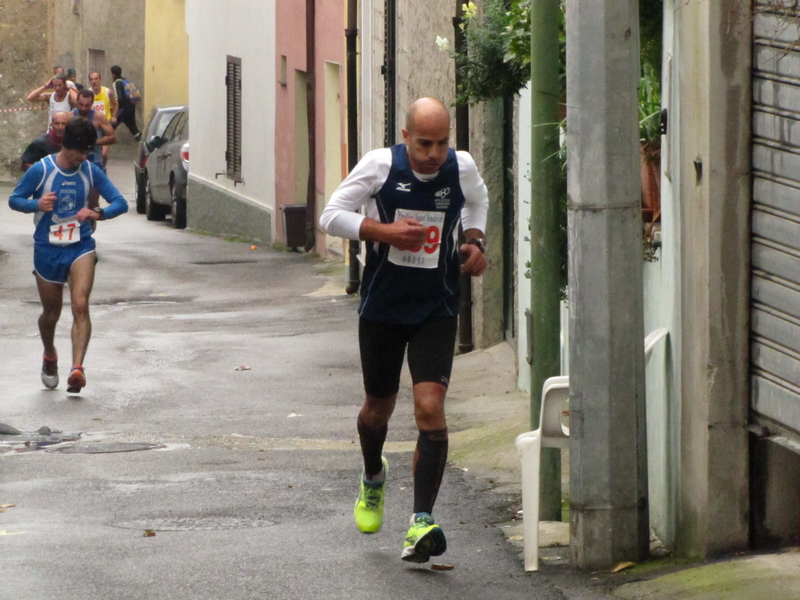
[(408, 287)]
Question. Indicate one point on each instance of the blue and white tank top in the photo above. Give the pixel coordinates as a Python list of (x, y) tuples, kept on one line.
[(72, 194)]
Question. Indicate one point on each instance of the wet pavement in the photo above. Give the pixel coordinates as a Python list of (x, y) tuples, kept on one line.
[(213, 453)]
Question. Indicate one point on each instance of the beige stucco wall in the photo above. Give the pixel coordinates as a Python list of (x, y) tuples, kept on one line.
[(25, 64), (166, 54), (117, 28)]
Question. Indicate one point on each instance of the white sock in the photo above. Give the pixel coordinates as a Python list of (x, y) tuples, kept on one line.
[(379, 478)]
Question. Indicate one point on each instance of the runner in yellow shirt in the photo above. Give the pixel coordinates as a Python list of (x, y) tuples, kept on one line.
[(105, 102)]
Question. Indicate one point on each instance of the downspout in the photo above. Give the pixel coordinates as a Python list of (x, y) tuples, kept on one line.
[(388, 71), (311, 109), (465, 332), (351, 35)]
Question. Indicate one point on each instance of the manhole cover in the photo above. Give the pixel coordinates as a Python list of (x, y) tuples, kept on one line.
[(32, 441), (106, 448), (195, 523)]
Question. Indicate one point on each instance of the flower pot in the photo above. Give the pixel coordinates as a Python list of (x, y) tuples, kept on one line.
[(650, 161)]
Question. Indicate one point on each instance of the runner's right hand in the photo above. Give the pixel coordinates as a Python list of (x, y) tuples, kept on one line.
[(47, 202), (406, 233)]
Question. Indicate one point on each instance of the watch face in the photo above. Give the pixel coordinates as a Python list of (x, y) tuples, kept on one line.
[(479, 243)]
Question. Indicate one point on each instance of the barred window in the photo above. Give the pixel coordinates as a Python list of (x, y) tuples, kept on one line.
[(233, 152)]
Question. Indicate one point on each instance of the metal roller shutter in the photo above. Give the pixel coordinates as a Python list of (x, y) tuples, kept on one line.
[(775, 316)]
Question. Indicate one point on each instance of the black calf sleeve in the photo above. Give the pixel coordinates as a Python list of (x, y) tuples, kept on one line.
[(371, 447), (430, 459)]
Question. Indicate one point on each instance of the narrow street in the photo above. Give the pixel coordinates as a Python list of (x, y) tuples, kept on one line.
[(220, 415)]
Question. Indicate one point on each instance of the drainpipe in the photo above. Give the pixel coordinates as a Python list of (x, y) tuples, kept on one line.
[(465, 332), (388, 72), (351, 35), (311, 108), (543, 319)]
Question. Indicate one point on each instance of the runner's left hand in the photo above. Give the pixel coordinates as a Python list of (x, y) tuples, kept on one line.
[(473, 262), (86, 214)]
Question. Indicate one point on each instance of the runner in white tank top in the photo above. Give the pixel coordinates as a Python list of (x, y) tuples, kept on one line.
[(56, 93)]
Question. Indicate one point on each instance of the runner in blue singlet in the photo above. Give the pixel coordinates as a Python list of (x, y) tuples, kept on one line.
[(416, 194), (57, 189)]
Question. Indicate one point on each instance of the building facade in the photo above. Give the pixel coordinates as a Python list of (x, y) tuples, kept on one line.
[(248, 92)]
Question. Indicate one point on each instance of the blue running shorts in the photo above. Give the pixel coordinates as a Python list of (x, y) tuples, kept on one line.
[(52, 263)]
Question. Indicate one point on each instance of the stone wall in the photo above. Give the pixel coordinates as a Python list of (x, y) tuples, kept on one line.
[(96, 34), (424, 70), (24, 66)]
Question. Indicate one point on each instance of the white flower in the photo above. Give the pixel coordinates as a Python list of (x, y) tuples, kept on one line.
[(443, 44)]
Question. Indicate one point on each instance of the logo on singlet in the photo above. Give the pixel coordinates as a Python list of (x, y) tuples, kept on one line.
[(442, 201), (403, 187)]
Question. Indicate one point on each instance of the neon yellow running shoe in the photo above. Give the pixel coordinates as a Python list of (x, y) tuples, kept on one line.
[(423, 540), (368, 511)]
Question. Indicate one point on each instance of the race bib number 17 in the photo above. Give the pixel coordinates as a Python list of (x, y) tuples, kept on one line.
[(425, 256), (64, 234)]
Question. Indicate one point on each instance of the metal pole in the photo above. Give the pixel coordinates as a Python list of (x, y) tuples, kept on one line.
[(608, 447), (311, 104), (351, 34), (544, 326), (389, 74), (465, 336)]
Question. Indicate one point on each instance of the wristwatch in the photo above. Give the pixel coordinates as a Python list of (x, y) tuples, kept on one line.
[(479, 243), (101, 213)]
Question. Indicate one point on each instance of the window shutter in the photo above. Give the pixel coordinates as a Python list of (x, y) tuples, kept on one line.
[(233, 152)]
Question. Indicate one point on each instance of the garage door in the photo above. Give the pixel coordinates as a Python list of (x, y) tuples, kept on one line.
[(775, 317)]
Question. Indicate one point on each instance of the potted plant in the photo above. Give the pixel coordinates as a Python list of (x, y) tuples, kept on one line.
[(650, 146)]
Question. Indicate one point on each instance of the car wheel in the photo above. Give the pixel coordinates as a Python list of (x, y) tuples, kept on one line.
[(178, 208), (153, 211), (141, 193)]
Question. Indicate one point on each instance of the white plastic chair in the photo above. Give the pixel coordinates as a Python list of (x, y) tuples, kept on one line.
[(552, 433), (651, 340)]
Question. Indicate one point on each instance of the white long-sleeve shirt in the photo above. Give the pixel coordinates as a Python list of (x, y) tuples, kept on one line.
[(366, 179)]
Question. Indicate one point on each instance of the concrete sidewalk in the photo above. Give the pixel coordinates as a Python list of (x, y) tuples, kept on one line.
[(485, 414)]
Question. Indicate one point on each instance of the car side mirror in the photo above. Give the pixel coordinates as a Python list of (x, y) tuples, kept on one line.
[(154, 142)]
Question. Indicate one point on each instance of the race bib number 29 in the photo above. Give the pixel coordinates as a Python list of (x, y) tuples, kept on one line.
[(425, 256), (64, 234)]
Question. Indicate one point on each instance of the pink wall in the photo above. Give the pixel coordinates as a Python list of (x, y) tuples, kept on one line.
[(291, 42)]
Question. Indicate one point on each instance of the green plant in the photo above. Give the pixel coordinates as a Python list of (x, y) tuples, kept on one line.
[(651, 27), (649, 105), (496, 60)]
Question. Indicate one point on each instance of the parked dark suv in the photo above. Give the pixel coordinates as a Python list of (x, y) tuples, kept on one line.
[(166, 171), (157, 122)]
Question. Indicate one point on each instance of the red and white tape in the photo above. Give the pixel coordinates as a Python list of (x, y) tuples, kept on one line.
[(5, 110)]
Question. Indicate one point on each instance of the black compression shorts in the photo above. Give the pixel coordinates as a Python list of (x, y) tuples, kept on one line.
[(431, 346)]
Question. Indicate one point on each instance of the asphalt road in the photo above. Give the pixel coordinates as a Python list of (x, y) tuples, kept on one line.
[(235, 390)]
